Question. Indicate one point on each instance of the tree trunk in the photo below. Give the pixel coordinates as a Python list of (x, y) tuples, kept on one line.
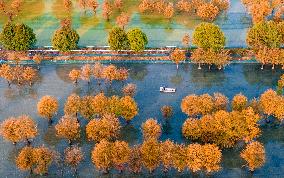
[(273, 66), (199, 66), (28, 142), (49, 122), (177, 66), (282, 67), (262, 65)]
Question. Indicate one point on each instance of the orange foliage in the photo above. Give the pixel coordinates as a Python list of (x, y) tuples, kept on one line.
[(86, 73), (239, 102), (178, 55), (135, 160), (167, 150), (129, 89), (184, 6), (47, 107), (74, 75), (107, 9), (179, 157), (72, 105), (150, 153), (169, 11), (254, 155), (43, 158), (208, 11), (25, 159), (128, 108), (69, 128), (186, 40), (73, 156), (121, 154), (151, 129), (9, 130), (194, 105), (122, 20), (107, 127), (167, 111)]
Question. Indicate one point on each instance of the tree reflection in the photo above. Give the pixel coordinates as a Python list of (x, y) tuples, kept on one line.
[(176, 79), (266, 77), (62, 71), (50, 137), (129, 134), (205, 77), (138, 71)]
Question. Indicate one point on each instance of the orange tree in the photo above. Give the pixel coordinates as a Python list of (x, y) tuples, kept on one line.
[(254, 155), (120, 155), (72, 105), (73, 156), (207, 11), (102, 156), (86, 73), (150, 154), (25, 159), (87, 108), (179, 157), (178, 55), (167, 111), (74, 75), (151, 129), (128, 107), (239, 102), (167, 149), (129, 90), (107, 127), (69, 128), (43, 157), (47, 107), (135, 160), (9, 130)]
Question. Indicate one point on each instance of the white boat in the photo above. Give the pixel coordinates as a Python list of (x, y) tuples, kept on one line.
[(167, 90)]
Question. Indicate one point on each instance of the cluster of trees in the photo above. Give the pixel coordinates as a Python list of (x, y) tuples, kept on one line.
[(152, 154), (17, 129), (205, 9), (99, 72), (134, 39), (18, 74), (265, 38), (210, 41), (260, 9)]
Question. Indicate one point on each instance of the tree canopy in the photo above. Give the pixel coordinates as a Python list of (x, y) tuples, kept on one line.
[(137, 39), (19, 37), (65, 39), (209, 36), (117, 39)]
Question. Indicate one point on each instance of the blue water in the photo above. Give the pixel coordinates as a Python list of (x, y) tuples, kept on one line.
[(245, 78)]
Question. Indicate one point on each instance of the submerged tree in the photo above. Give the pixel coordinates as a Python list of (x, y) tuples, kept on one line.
[(177, 56), (68, 127), (122, 20), (120, 155), (107, 127), (74, 75), (47, 107), (102, 156), (167, 151), (43, 158), (167, 111), (73, 156), (86, 73), (135, 160), (72, 105), (128, 108), (9, 130), (239, 102), (25, 160), (150, 154), (129, 89), (151, 129)]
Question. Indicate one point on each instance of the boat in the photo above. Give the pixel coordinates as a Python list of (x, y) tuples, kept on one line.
[(167, 90)]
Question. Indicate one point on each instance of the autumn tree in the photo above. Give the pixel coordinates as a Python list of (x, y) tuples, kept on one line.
[(68, 128), (102, 156), (209, 36), (107, 127), (98, 71), (137, 39), (150, 154), (129, 89), (100, 104), (74, 75), (135, 160), (264, 34), (25, 160), (67, 5), (179, 157), (118, 4), (128, 108), (47, 107), (239, 102), (151, 129), (220, 102), (122, 20), (9, 130), (169, 11), (6, 72), (27, 128), (254, 155), (107, 9), (109, 73), (30, 75), (208, 11), (72, 105), (177, 56), (117, 39), (37, 58), (86, 73), (87, 108), (73, 156), (186, 40), (223, 5), (272, 56), (194, 157), (167, 149), (93, 4), (43, 157), (120, 155)]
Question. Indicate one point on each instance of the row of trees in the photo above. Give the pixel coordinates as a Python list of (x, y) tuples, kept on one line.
[(99, 72), (206, 10), (151, 154), (18, 74)]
